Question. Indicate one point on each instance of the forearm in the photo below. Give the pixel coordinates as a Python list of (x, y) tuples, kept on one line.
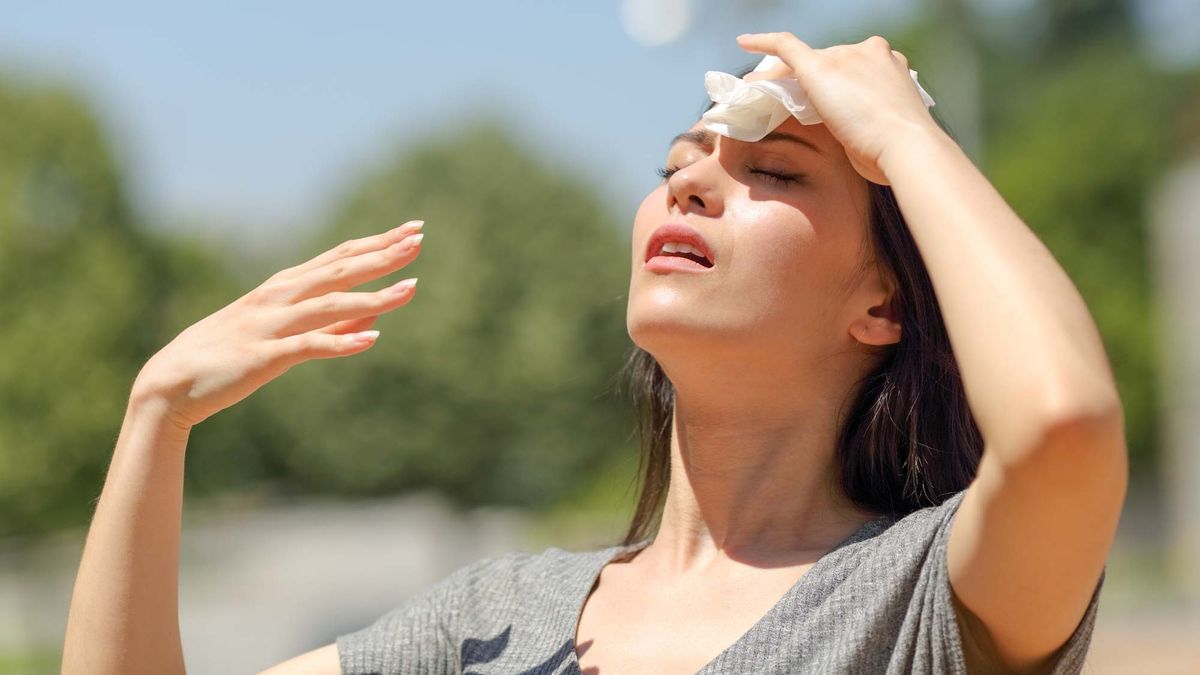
[(1028, 350), (124, 611)]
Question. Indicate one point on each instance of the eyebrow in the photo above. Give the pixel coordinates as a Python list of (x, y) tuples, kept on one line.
[(785, 136), (700, 137), (705, 138)]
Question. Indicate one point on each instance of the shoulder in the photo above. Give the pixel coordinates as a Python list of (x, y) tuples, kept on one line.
[(891, 553), (502, 603), (912, 534), (549, 573)]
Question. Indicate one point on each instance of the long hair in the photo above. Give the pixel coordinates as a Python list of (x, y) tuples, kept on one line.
[(908, 439)]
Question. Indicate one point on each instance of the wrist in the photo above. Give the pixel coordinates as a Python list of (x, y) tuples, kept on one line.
[(914, 145), (146, 403)]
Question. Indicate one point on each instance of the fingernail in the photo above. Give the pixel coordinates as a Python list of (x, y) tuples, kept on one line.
[(364, 336), (402, 286), (413, 242), (412, 226)]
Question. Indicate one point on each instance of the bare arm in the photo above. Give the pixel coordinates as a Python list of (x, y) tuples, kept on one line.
[(1034, 529), (124, 611), (126, 590), (124, 614), (1030, 354)]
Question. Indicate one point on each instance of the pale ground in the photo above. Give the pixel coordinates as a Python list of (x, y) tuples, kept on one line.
[(260, 585), (1144, 643)]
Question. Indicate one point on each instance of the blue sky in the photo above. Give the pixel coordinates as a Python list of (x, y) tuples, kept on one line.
[(257, 114)]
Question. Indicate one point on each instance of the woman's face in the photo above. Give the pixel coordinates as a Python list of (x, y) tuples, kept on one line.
[(785, 219)]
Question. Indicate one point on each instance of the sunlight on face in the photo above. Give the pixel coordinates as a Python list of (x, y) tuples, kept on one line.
[(786, 218)]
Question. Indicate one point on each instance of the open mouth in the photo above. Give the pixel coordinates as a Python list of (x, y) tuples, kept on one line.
[(674, 250), (678, 246)]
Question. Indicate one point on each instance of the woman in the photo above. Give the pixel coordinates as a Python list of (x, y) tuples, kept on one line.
[(814, 517)]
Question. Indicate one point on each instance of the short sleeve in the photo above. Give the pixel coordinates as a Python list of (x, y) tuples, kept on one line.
[(412, 638), (947, 650)]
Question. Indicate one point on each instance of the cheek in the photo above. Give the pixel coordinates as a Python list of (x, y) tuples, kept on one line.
[(774, 241), (792, 262)]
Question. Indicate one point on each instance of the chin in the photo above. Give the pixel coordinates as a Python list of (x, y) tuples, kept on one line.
[(670, 327)]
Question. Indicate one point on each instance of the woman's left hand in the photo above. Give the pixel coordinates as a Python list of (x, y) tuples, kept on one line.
[(863, 93)]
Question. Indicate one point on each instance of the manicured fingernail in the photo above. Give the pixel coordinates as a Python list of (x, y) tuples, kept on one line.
[(402, 286), (413, 242), (364, 337), (412, 226)]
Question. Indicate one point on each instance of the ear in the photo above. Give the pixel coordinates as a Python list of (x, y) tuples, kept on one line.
[(879, 326)]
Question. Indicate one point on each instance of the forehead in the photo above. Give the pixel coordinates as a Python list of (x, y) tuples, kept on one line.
[(817, 134)]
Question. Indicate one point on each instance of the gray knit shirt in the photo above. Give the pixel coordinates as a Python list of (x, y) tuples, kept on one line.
[(879, 602)]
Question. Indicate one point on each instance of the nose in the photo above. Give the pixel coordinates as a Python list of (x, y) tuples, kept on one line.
[(696, 188)]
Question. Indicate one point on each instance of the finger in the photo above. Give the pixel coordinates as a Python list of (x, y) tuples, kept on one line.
[(346, 273), (353, 247), (900, 57), (790, 49), (776, 73), (879, 42), (316, 313), (351, 325), (295, 349)]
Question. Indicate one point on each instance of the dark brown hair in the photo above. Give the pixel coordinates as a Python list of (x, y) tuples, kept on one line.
[(908, 440)]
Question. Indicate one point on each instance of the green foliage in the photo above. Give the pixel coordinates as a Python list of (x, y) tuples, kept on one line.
[(495, 382), (70, 280), (84, 295), (36, 660)]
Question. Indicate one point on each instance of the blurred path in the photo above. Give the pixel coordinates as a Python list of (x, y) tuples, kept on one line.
[(259, 586), (1161, 642)]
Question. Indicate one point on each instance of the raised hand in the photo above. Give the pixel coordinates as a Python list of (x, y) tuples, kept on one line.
[(300, 313), (863, 93)]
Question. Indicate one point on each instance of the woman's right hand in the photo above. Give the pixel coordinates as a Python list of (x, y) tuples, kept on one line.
[(300, 313)]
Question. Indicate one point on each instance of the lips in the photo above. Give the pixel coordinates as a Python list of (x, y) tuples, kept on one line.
[(677, 232)]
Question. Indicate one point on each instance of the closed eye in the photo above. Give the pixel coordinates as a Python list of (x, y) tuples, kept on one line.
[(777, 178)]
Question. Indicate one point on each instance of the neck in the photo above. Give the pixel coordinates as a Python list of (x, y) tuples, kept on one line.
[(753, 467)]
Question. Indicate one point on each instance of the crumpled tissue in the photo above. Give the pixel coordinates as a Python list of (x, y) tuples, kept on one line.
[(747, 111)]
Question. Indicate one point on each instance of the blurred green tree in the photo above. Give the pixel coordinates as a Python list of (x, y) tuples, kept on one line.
[(73, 285), (86, 298)]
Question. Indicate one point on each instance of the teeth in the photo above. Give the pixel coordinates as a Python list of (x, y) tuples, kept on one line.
[(678, 247)]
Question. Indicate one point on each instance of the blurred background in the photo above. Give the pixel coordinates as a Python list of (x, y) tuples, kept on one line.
[(157, 162)]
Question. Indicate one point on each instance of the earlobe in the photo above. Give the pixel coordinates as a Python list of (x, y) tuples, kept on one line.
[(880, 327)]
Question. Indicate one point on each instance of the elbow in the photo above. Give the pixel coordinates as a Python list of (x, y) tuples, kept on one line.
[(1082, 443), (1069, 438), (1092, 431), (1081, 420)]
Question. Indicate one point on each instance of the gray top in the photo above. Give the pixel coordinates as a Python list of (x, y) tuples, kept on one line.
[(879, 602)]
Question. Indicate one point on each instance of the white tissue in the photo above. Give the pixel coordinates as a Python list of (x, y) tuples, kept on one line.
[(747, 111)]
